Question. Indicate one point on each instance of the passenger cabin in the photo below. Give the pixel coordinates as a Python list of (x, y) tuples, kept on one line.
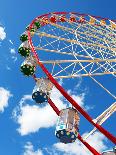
[(24, 49), (28, 67), (68, 125), (41, 91), (24, 37)]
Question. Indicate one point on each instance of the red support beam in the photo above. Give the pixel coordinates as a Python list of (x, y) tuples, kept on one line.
[(53, 106), (88, 146)]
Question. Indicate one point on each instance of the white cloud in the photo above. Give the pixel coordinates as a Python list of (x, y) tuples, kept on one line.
[(29, 116), (12, 51), (97, 141), (4, 97), (8, 68), (29, 150), (2, 33), (58, 99), (79, 83), (25, 97), (14, 58), (32, 118)]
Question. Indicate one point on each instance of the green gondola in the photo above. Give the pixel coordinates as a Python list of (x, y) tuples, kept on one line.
[(27, 69), (24, 37), (24, 51)]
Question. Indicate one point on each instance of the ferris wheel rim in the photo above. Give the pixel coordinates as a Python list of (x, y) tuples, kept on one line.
[(58, 86), (79, 137), (81, 14)]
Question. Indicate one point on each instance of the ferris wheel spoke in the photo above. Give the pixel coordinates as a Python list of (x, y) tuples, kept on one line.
[(73, 41), (83, 75), (102, 118), (58, 41), (64, 52), (53, 67), (73, 69), (100, 67), (97, 51), (108, 63), (63, 69), (105, 68), (91, 76), (69, 40), (91, 68), (82, 68), (103, 87), (86, 49), (77, 61), (51, 41), (90, 56)]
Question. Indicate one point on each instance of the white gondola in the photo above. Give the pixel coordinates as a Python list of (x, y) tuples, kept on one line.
[(42, 90), (68, 125)]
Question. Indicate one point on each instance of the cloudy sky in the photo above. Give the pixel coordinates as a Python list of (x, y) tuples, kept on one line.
[(26, 128)]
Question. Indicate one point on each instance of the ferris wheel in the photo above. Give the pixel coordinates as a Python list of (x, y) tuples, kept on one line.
[(70, 45)]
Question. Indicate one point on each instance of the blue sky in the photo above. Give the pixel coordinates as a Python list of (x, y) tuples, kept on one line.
[(19, 136)]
